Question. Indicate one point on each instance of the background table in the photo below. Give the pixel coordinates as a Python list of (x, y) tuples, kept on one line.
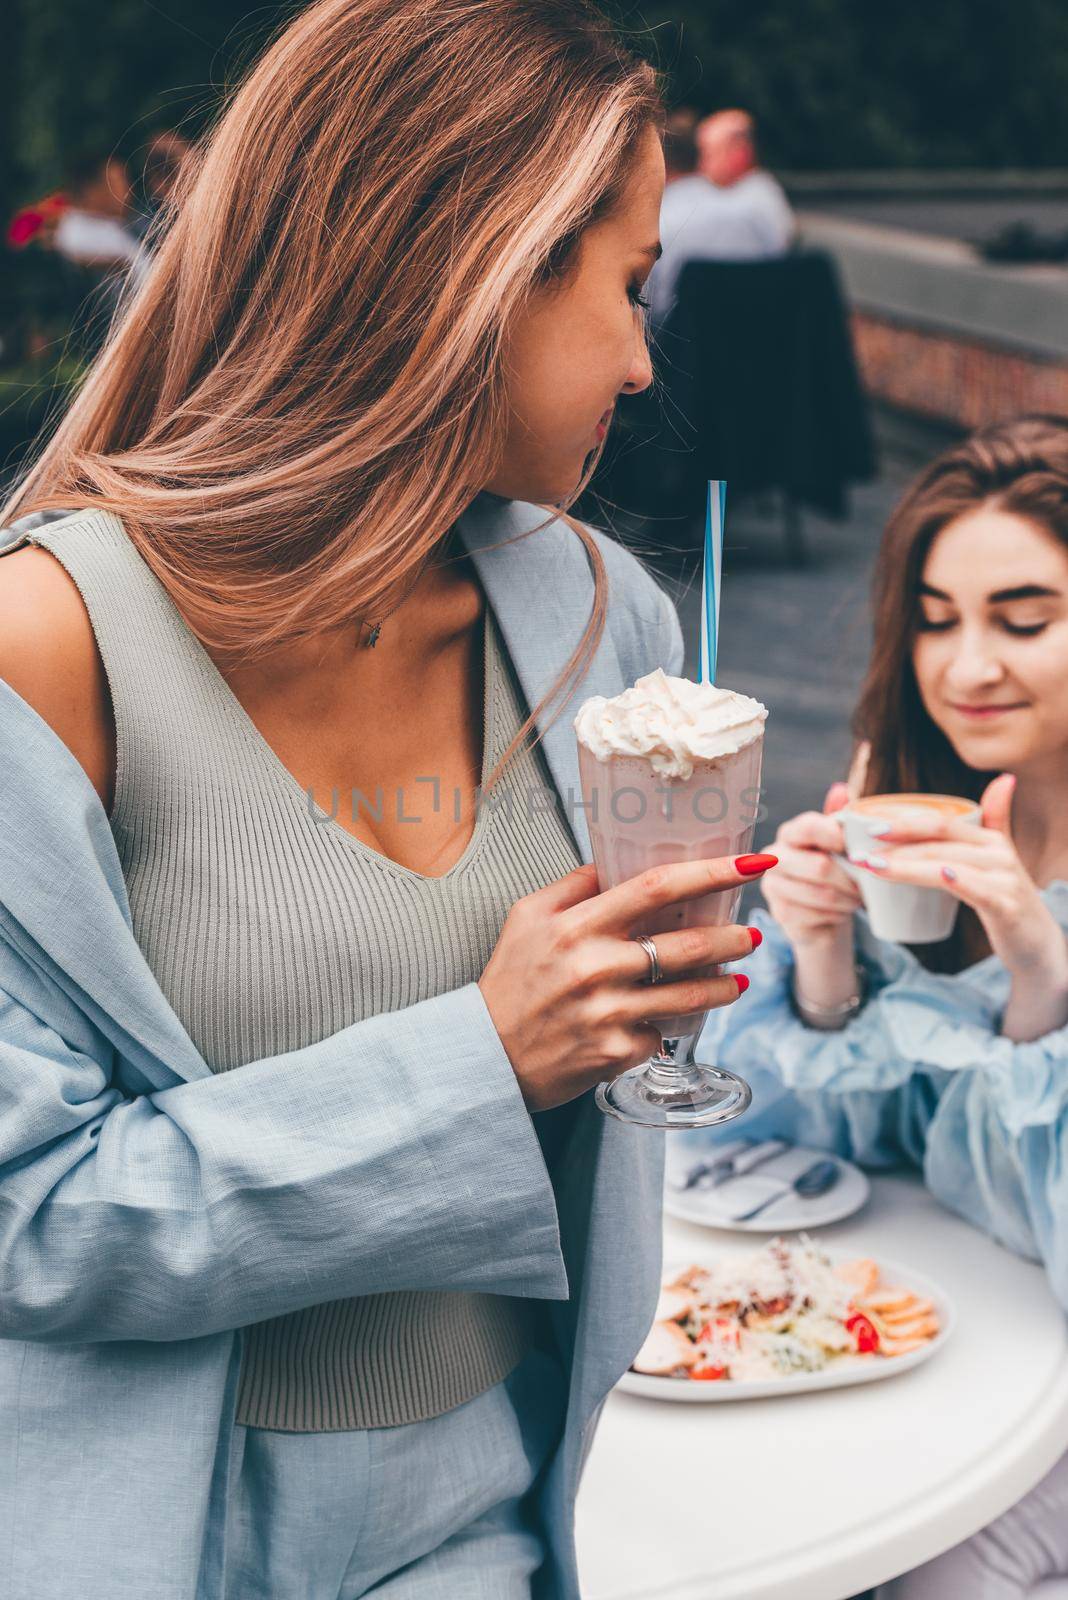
[(820, 1496)]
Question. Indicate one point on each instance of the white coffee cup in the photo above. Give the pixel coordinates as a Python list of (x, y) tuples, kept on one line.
[(900, 911)]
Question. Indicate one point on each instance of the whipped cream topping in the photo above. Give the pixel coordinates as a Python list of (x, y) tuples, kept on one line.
[(672, 723)]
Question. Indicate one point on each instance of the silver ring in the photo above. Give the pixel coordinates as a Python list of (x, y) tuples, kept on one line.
[(649, 947)]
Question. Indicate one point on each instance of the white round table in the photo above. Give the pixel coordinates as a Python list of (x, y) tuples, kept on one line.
[(821, 1496)]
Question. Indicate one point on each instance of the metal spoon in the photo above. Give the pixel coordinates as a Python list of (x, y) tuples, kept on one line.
[(816, 1180)]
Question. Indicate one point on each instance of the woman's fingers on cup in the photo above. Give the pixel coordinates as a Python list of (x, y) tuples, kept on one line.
[(683, 997), (688, 950), (975, 885), (817, 897), (836, 798), (950, 850), (631, 1045), (905, 830), (630, 902), (812, 830), (929, 872), (570, 890), (813, 867)]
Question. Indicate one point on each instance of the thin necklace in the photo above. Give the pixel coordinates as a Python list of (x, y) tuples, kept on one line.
[(376, 627)]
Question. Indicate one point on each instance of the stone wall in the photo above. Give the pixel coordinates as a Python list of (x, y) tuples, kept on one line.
[(943, 334), (933, 374)]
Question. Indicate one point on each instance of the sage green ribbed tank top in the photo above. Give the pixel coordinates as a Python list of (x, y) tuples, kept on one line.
[(269, 928)]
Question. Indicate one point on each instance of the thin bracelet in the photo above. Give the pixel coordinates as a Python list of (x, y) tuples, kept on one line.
[(847, 1009)]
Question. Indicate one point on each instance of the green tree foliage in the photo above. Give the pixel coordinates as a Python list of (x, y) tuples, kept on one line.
[(835, 83), (101, 76), (858, 83)]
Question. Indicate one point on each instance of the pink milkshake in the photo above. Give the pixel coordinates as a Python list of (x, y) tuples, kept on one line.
[(670, 772)]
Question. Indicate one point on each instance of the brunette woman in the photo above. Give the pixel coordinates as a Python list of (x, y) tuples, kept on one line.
[(952, 1056)]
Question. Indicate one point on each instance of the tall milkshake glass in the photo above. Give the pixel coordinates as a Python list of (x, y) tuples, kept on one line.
[(641, 816)]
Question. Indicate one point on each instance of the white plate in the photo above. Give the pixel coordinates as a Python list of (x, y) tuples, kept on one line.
[(710, 1208), (838, 1376)]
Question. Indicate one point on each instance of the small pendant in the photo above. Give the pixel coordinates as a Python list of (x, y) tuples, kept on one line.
[(373, 639)]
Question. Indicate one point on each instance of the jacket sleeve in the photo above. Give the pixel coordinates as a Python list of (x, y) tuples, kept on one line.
[(922, 1074), (997, 1148), (853, 1090), (395, 1154)]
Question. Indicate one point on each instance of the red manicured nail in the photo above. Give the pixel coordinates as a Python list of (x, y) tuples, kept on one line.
[(756, 936), (742, 981), (753, 864)]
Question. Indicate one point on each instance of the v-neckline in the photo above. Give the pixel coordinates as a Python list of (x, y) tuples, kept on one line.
[(495, 534), (277, 766)]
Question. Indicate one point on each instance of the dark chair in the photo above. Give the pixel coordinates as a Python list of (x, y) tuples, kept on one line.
[(757, 384)]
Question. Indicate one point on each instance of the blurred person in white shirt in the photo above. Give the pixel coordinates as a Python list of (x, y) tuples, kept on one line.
[(762, 220), (93, 230), (95, 235), (726, 207), (165, 157)]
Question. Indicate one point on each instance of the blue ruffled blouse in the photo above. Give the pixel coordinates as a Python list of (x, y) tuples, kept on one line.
[(921, 1075)]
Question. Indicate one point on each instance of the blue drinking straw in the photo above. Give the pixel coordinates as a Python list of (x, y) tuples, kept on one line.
[(712, 576)]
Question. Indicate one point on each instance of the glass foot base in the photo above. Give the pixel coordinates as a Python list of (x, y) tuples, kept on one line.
[(685, 1097)]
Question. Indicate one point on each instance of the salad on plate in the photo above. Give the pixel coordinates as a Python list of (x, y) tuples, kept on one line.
[(784, 1310)]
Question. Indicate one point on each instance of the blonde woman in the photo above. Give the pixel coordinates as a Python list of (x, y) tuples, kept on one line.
[(317, 1259)]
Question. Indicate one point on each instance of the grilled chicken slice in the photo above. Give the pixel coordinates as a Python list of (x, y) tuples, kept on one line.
[(666, 1347)]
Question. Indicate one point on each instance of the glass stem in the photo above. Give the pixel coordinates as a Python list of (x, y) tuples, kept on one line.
[(667, 1073)]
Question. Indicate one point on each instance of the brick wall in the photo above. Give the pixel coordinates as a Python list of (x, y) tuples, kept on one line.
[(951, 379)]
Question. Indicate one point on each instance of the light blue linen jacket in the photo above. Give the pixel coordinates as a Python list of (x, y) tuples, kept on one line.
[(921, 1075), (148, 1208)]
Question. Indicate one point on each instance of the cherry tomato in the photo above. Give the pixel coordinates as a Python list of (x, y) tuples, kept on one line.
[(724, 1329), (708, 1372), (864, 1333)]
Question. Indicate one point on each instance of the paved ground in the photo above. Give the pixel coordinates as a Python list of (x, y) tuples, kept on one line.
[(796, 638)]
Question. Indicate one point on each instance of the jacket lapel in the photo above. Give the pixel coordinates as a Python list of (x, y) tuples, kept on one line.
[(55, 835), (64, 907), (540, 590)]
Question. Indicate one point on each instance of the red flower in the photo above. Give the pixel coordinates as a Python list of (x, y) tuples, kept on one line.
[(23, 226), (27, 223)]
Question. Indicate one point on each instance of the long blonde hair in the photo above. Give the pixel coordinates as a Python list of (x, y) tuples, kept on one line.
[(307, 388)]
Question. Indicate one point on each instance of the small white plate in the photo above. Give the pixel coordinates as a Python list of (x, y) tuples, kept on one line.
[(712, 1208), (840, 1375)]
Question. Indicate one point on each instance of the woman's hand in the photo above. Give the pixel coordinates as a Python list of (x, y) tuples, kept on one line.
[(814, 904), (980, 865), (811, 896), (567, 987)]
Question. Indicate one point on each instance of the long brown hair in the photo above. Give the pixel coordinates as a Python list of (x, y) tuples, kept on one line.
[(307, 389), (1021, 467)]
